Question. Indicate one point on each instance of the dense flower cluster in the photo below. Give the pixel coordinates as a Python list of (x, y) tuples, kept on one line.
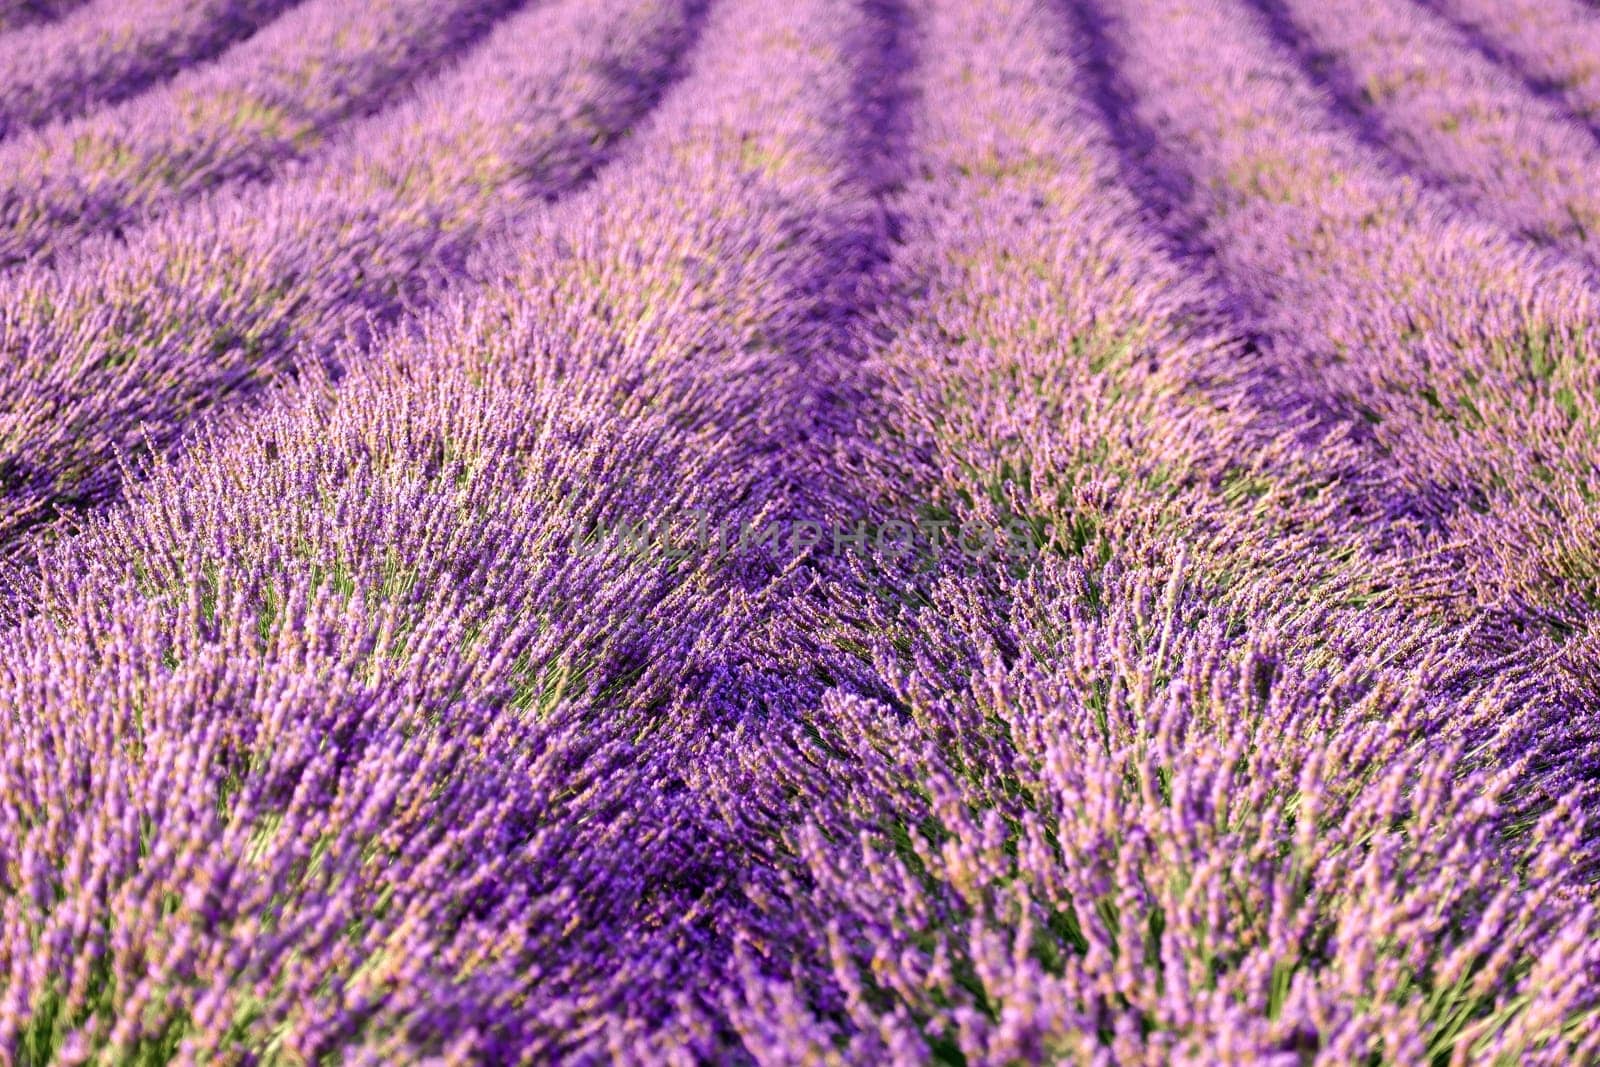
[(1250, 339), (107, 52)]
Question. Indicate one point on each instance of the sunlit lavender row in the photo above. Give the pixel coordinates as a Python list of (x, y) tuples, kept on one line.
[(833, 532)]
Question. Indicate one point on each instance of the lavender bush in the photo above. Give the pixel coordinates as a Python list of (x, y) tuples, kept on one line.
[(272, 102), (1159, 619), (108, 51)]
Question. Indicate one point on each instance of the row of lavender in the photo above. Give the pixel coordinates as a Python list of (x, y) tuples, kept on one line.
[(118, 349), (110, 51), (333, 730), (277, 101)]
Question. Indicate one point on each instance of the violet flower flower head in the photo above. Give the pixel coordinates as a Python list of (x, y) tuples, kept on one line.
[(845, 531)]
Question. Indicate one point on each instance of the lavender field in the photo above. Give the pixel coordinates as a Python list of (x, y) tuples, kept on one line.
[(814, 532)]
